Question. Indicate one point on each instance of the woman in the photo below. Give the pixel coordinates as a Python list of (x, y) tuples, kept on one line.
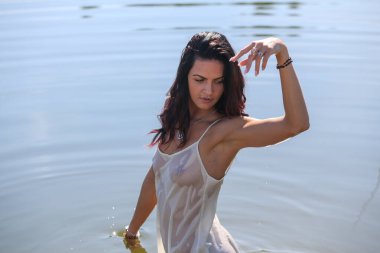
[(203, 128)]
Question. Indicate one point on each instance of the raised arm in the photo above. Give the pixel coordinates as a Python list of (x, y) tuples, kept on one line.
[(145, 204), (251, 132)]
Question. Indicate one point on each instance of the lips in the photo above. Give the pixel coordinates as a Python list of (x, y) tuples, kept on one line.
[(206, 100)]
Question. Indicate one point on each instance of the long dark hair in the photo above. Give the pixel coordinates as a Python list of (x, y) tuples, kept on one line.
[(175, 114)]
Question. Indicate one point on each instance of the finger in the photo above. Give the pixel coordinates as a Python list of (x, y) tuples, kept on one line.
[(243, 62), (251, 58), (249, 63), (265, 61), (257, 65), (242, 52)]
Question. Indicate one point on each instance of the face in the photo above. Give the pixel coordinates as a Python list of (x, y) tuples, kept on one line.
[(205, 83)]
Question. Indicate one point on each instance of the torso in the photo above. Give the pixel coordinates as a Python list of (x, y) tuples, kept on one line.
[(187, 185), (215, 153)]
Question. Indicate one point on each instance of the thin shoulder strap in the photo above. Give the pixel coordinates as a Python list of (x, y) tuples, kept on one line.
[(213, 123)]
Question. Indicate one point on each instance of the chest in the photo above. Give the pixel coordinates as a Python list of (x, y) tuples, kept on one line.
[(182, 168)]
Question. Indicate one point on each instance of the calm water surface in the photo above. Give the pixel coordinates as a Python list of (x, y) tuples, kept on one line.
[(81, 83)]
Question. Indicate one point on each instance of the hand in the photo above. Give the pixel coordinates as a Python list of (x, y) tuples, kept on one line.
[(133, 245), (260, 50)]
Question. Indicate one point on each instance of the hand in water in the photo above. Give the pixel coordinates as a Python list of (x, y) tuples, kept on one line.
[(134, 245)]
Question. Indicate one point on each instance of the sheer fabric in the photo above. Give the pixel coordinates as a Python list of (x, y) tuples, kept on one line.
[(186, 204)]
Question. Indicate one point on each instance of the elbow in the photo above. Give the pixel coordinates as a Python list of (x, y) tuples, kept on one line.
[(305, 127), (295, 130)]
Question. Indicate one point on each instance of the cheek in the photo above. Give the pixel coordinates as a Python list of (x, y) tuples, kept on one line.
[(192, 87), (193, 90)]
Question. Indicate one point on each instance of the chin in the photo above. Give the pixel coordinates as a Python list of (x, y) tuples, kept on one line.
[(203, 106), (206, 107)]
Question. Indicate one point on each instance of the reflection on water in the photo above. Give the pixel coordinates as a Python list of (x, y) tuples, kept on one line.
[(264, 9), (369, 200), (267, 27), (81, 85), (260, 8), (89, 7), (258, 4), (172, 4)]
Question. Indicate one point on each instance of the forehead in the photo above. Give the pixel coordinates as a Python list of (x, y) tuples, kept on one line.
[(207, 68)]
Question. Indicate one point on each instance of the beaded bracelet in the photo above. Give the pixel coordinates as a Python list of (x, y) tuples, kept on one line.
[(286, 63)]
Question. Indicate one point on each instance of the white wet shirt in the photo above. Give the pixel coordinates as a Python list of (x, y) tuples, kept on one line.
[(186, 204)]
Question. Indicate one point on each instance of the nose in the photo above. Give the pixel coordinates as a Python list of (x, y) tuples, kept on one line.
[(208, 88)]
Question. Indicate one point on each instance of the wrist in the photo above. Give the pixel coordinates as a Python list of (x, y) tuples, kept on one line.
[(282, 55), (131, 234)]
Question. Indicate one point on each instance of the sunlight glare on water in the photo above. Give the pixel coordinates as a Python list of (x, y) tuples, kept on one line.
[(81, 85)]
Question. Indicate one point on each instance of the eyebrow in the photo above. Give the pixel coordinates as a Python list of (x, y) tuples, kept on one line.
[(206, 78)]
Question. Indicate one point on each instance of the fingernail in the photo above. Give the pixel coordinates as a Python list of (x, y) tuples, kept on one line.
[(256, 73)]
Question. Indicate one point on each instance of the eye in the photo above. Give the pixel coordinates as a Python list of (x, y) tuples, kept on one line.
[(220, 81), (199, 80)]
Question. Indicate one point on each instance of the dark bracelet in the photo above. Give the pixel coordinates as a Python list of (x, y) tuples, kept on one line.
[(286, 63), (131, 236)]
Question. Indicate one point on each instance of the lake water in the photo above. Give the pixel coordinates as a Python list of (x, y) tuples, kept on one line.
[(81, 83)]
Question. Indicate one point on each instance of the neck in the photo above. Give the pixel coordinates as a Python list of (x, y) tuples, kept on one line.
[(202, 115)]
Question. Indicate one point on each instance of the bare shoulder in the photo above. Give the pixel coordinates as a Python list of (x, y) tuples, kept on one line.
[(229, 123), (225, 127), (231, 134)]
